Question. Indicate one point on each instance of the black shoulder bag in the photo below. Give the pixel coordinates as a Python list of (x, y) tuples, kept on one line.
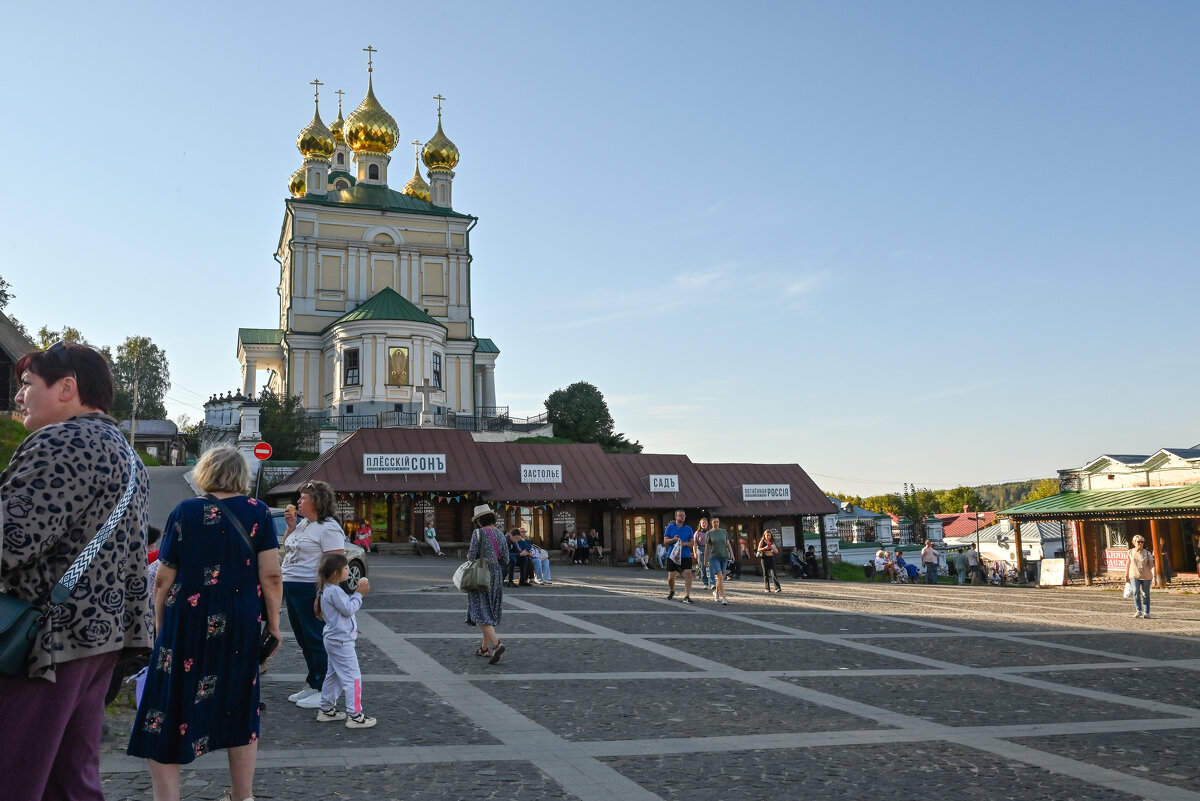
[(268, 643)]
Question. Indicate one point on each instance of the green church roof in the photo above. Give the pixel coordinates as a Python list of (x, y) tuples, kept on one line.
[(386, 304), (485, 346), (374, 196), (260, 336)]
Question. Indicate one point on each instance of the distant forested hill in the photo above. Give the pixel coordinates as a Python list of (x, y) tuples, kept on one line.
[(1002, 496)]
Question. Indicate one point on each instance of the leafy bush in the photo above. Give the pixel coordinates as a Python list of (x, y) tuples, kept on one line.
[(11, 435)]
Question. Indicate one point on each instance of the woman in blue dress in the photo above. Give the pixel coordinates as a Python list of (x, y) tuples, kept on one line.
[(212, 594), (483, 606)]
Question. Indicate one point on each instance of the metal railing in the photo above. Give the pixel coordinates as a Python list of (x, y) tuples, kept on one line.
[(398, 419), (349, 422)]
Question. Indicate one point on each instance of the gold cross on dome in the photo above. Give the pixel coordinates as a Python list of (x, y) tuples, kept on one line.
[(370, 51), (416, 143), (438, 97), (339, 93), (316, 84)]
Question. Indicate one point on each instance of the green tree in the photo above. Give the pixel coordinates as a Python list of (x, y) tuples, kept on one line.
[(579, 413), (884, 504), (6, 295), (950, 501), (285, 426), (1046, 488), (47, 336), (141, 365)]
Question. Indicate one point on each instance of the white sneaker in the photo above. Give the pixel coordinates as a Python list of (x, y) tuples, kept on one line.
[(1137, 613), (725, 601), (1146, 615), (715, 596), (330, 716), (310, 702), (359, 721), (302, 694)]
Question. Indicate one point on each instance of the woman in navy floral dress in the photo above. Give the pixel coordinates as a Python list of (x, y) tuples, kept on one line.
[(211, 596), (483, 606)]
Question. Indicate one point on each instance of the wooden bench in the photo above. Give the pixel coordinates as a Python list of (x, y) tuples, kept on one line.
[(455, 549)]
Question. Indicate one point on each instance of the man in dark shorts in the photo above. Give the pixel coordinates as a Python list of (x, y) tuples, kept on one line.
[(681, 533)]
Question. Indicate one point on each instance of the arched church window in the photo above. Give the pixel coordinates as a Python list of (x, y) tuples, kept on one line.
[(341, 183), (437, 370), (373, 171), (341, 158)]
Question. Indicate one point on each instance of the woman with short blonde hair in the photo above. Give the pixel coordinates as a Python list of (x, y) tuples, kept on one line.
[(222, 469), (218, 583)]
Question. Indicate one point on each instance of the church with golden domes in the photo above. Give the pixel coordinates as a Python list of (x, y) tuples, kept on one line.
[(374, 283)]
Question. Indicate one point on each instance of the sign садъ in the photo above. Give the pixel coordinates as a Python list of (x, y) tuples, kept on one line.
[(404, 463), (766, 492), (541, 474), (664, 483)]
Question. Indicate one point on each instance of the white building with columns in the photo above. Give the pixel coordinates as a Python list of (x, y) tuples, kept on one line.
[(374, 283)]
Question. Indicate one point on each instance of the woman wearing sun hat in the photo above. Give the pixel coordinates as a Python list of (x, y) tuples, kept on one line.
[(483, 606)]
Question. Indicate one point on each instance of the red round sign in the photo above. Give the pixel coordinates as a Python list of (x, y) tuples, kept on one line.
[(262, 450)]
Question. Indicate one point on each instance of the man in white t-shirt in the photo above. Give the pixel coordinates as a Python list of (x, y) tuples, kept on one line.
[(975, 566)]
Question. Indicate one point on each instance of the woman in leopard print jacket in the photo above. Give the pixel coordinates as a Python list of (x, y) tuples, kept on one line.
[(62, 484)]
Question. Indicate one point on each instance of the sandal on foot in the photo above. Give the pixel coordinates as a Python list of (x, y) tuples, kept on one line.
[(496, 653), (483, 651)]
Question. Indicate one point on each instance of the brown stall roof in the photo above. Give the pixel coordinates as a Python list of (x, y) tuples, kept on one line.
[(727, 479), (587, 473), (342, 465), (636, 469)]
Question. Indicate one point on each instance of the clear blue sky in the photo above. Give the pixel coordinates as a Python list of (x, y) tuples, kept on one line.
[(933, 242)]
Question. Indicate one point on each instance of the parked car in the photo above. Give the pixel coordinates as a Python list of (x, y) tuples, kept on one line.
[(355, 554)]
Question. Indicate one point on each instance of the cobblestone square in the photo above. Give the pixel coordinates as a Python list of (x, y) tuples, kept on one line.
[(563, 655), (627, 710), (784, 652), (969, 700), (839, 623), (608, 692), (981, 652)]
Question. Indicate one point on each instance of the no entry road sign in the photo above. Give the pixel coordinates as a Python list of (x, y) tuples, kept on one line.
[(262, 450)]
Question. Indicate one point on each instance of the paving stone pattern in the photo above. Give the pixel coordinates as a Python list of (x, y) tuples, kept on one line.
[(608, 691)]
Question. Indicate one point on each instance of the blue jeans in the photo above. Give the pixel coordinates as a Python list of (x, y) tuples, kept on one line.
[(307, 629), (931, 572), (1141, 595), (717, 566), (702, 569), (962, 576)]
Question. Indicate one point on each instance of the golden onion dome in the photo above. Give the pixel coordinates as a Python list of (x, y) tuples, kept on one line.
[(369, 128), (315, 139), (296, 183), (439, 152), (416, 186), (337, 126)]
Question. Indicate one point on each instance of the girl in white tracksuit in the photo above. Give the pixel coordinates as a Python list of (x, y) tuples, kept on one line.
[(341, 630)]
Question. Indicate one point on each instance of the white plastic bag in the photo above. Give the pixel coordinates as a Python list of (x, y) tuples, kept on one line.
[(458, 574), (1128, 589), (676, 552)]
